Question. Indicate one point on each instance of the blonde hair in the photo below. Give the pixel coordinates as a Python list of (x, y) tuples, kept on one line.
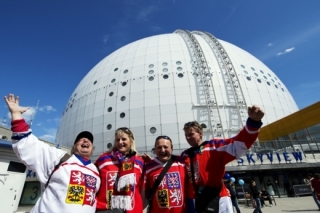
[(121, 131)]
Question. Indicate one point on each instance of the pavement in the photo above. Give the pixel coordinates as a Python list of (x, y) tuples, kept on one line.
[(286, 204), (304, 204)]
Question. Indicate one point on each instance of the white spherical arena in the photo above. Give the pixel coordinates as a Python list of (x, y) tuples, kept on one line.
[(157, 84)]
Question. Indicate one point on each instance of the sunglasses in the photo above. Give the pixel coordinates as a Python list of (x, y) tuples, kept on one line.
[(192, 123), (125, 129), (163, 137)]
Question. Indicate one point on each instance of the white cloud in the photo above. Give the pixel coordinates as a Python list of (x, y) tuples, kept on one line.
[(155, 28), (50, 134), (310, 85), (145, 12), (28, 115), (105, 38), (270, 44), (47, 109), (285, 51)]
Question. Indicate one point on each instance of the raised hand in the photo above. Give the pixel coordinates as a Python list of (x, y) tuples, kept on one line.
[(13, 105), (255, 113)]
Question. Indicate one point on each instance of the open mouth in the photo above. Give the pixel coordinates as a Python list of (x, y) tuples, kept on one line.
[(85, 145)]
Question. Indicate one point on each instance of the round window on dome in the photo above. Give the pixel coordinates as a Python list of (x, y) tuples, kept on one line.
[(282, 89), (111, 94), (151, 72), (109, 109), (95, 82), (242, 66), (275, 78), (165, 70), (124, 83), (151, 78), (248, 78), (109, 145), (245, 71), (151, 66), (180, 75), (276, 86), (268, 83), (179, 68), (122, 115), (195, 74), (253, 69), (269, 74), (261, 71), (125, 72), (265, 77), (178, 63), (203, 125), (113, 80), (153, 130), (256, 74), (165, 76), (109, 126), (259, 80), (115, 69), (164, 64), (123, 98)]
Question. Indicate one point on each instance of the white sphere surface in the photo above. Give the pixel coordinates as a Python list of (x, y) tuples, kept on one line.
[(155, 85)]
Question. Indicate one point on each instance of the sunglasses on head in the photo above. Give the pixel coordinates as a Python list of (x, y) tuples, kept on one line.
[(163, 137), (125, 129), (192, 123)]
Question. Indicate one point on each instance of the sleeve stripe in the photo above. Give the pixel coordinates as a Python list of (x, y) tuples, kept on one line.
[(251, 132), (19, 136)]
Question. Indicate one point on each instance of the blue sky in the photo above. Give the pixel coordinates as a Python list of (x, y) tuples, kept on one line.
[(47, 47)]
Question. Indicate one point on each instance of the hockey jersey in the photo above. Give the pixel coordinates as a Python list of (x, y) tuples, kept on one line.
[(73, 185), (170, 195)]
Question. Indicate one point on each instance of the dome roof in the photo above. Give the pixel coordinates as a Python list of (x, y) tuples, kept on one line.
[(157, 84)]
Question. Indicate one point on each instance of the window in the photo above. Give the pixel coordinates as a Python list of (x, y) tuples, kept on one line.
[(261, 71), (242, 66), (259, 80), (151, 66), (109, 145), (31, 193), (179, 68), (122, 115), (151, 78), (180, 75), (165, 70), (203, 126), (113, 80), (94, 82), (256, 74), (109, 109), (248, 78), (123, 98), (153, 130), (111, 94), (125, 72), (253, 69), (164, 64), (165, 76), (115, 69), (245, 71), (124, 83), (109, 126), (151, 72), (178, 63)]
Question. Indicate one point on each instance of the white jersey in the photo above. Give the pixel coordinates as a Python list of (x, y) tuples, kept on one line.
[(73, 185)]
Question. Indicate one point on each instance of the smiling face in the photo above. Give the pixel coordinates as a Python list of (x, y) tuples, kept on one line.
[(163, 149), (193, 136), (123, 143), (83, 147)]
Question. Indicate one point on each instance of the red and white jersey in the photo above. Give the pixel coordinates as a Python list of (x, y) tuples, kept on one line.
[(170, 195), (74, 184), (108, 167)]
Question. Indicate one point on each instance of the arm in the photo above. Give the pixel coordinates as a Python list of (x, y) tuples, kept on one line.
[(235, 147), (37, 155)]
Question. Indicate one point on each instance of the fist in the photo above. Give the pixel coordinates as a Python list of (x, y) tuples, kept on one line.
[(255, 113)]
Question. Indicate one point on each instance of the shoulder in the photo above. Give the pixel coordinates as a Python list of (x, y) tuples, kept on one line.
[(104, 157)]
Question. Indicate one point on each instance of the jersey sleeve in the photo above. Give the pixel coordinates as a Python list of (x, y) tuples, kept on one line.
[(233, 148), (35, 154)]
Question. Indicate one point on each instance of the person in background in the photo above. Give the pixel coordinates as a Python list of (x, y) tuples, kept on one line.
[(169, 196), (70, 182), (315, 184), (233, 194), (256, 194), (205, 162), (265, 196), (121, 170)]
